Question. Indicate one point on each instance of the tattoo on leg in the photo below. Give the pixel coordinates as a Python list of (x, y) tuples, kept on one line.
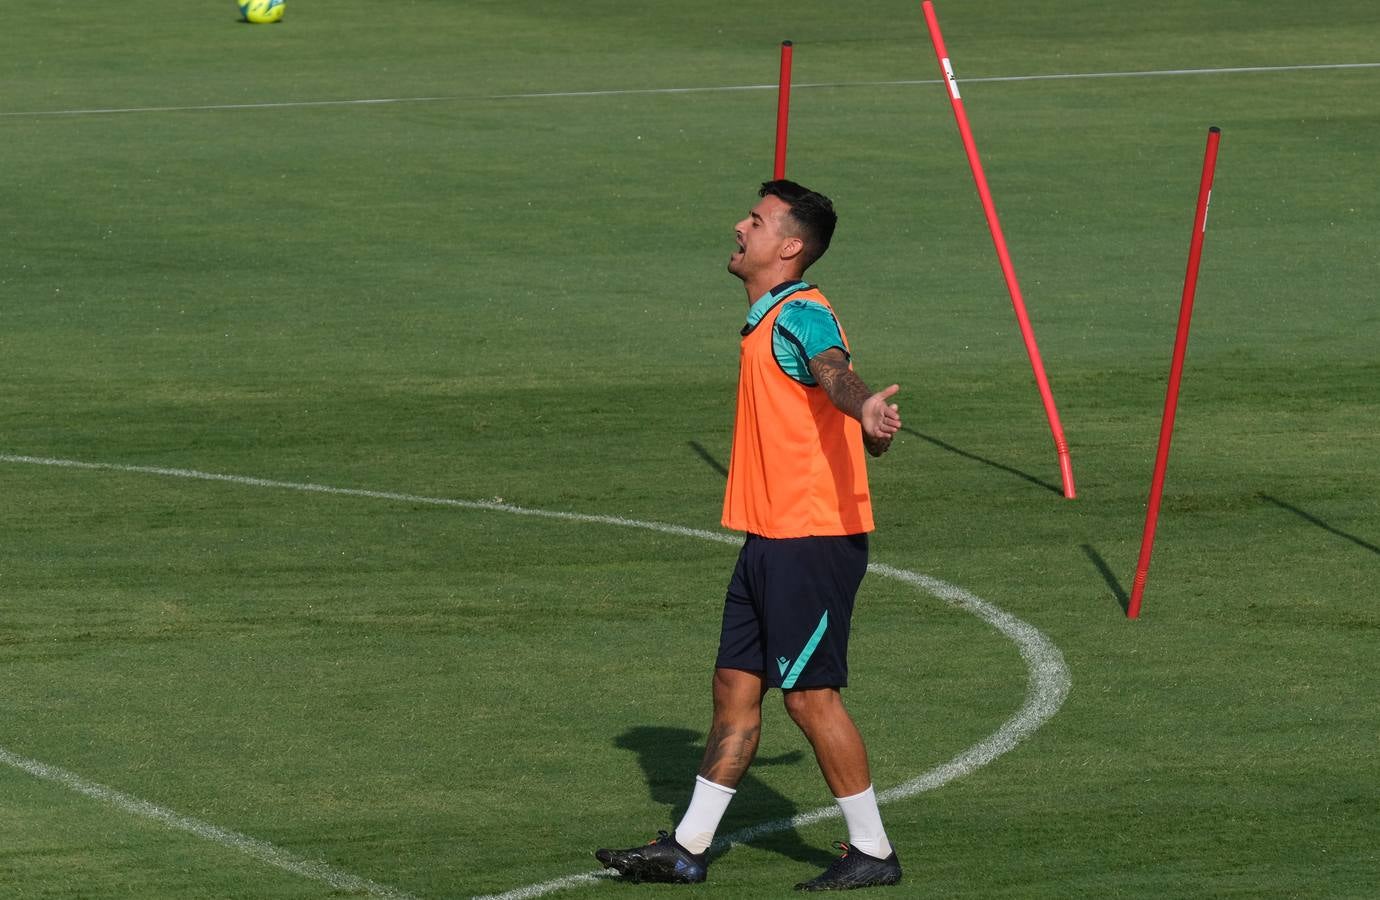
[(728, 751)]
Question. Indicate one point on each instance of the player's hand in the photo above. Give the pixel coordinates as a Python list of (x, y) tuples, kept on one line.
[(880, 420)]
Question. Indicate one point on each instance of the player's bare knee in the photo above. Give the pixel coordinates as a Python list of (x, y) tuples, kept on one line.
[(808, 707), (737, 693)]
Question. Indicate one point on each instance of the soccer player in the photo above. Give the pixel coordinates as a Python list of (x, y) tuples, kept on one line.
[(797, 484)]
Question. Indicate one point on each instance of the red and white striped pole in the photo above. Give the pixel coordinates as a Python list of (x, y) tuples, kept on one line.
[(783, 111), (1176, 369), (1008, 271)]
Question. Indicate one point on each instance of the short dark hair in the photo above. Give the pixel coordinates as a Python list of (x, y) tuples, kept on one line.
[(812, 212)]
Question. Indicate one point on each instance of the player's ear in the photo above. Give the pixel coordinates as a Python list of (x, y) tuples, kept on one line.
[(792, 247)]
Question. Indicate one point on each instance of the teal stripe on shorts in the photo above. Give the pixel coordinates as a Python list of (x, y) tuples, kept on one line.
[(805, 654)]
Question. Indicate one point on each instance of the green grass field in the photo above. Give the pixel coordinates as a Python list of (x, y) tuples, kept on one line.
[(495, 295)]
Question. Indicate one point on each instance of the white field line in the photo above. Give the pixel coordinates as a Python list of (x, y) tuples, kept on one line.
[(253, 847), (705, 89), (488, 505), (1046, 689)]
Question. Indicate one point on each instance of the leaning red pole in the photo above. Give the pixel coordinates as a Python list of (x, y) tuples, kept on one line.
[(1003, 257), (1176, 369), (783, 110)]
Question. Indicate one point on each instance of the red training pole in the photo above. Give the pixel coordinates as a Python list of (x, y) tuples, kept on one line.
[(1007, 269), (1176, 368), (783, 111)]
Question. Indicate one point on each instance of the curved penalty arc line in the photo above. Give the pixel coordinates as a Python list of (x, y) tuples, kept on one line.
[(1046, 689)]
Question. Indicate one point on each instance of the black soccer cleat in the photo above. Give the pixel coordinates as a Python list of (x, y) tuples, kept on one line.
[(854, 869), (661, 860)]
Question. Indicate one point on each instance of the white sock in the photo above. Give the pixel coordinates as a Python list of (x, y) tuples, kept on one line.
[(865, 831), (707, 805)]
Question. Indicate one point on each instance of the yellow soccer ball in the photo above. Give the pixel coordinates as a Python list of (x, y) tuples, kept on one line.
[(261, 12)]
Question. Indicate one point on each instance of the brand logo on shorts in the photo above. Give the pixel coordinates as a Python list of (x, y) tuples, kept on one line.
[(783, 664)]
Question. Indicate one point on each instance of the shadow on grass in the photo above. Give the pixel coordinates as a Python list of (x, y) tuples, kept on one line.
[(1108, 576), (1308, 517), (670, 758), (959, 451), (708, 458), (717, 466)]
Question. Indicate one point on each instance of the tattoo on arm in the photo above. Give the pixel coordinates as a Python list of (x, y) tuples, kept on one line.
[(844, 387), (876, 446)]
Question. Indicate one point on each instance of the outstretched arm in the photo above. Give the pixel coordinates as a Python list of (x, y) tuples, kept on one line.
[(880, 420)]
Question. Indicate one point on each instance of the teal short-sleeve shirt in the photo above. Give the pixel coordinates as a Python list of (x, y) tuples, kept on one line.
[(804, 329)]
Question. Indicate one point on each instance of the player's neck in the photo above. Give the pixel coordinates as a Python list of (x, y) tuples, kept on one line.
[(759, 284)]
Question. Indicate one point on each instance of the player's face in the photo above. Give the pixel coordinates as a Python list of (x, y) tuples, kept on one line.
[(760, 237)]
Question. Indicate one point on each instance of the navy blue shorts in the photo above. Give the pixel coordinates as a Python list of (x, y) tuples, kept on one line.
[(789, 607)]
